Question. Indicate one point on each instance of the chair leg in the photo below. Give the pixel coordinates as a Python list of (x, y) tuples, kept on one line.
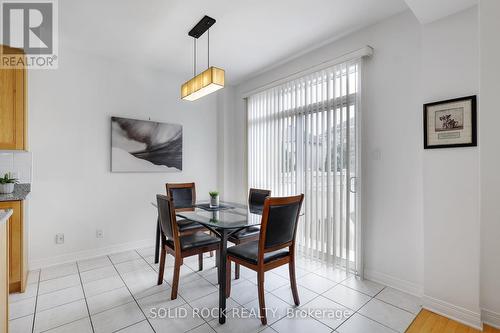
[(293, 282), (162, 265), (228, 278), (157, 240), (200, 261), (175, 279), (236, 271), (212, 252), (262, 301)]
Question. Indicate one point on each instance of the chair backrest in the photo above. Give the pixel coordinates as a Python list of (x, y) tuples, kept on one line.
[(256, 199), (168, 222), (182, 194), (279, 223)]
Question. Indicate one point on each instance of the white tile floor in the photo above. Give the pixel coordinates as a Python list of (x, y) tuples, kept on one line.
[(118, 293)]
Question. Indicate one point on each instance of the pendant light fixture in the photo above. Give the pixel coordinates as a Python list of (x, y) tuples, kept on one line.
[(210, 80)]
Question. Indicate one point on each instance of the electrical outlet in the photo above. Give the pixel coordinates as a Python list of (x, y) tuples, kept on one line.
[(60, 239), (99, 233)]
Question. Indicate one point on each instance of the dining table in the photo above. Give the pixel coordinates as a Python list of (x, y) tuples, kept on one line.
[(223, 221)]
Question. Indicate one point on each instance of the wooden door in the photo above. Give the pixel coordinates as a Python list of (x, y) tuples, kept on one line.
[(12, 107)]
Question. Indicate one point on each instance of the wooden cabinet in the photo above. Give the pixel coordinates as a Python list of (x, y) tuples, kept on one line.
[(18, 256), (13, 106), (4, 276)]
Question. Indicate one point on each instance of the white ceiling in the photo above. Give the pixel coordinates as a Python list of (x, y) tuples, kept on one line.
[(248, 36), (431, 10)]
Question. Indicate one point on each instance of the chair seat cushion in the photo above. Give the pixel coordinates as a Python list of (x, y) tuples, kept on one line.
[(194, 240), (245, 233), (248, 251), (186, 225)]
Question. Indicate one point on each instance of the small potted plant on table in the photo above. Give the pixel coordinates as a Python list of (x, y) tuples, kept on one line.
[(214, 199), (7, 184)]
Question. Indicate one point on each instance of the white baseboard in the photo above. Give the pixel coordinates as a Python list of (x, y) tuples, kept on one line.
[(393, 282), (87, 254), (457, 313), (491, 318)]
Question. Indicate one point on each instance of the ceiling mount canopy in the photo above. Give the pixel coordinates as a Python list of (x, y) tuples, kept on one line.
[(210, 80), (201, 27)]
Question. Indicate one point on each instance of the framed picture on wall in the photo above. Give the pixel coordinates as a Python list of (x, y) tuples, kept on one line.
[(145, 146), (451, 123)]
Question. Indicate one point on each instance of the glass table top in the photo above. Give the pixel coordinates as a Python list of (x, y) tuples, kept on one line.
[(237, 216), (230, 216)]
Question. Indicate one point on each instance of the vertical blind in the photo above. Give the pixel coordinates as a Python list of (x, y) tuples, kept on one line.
[(303, 138)]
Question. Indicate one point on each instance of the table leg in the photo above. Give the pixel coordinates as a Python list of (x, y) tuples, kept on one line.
[(157, 245), (222, 276)]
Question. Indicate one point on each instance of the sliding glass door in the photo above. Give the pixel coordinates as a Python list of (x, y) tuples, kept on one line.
[(303, 137)]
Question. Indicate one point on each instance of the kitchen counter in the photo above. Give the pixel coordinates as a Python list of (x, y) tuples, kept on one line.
[(4, 215), (20, 193)]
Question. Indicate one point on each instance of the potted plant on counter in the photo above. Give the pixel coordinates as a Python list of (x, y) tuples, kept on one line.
[(7, 184), (214, 199)]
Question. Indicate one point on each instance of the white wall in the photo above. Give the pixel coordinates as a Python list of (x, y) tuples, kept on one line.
[(392, 117), (490, 160), (74, 191), (450, 68)]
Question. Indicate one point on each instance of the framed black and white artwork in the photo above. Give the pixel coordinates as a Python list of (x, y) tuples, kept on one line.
[(145, 146), (450, 123)]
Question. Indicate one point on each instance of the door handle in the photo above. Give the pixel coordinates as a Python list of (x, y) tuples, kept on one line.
[(353, 181)]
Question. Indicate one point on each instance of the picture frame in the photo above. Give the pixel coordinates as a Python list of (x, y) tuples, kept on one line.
[(451, 123), (145, 146)]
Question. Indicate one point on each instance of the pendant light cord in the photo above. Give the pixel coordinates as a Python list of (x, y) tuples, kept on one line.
[(194, 57), (208, 53)]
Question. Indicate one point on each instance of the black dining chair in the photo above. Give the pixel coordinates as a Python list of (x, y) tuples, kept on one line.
[(275, 246), (184, 199), (256, 199), (178, 245), (184, 196)]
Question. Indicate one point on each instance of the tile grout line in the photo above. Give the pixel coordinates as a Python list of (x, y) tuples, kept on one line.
[(133, 297), (205, 322), (85, 297), (396, 306), (152, 266), (128, 326), (57, 290), (186, 302), (63, 304), (58, 277), (316, 297), (357, 311), (36, 301), (377, 320), (79, 272), (58, 326), (95, 313)]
